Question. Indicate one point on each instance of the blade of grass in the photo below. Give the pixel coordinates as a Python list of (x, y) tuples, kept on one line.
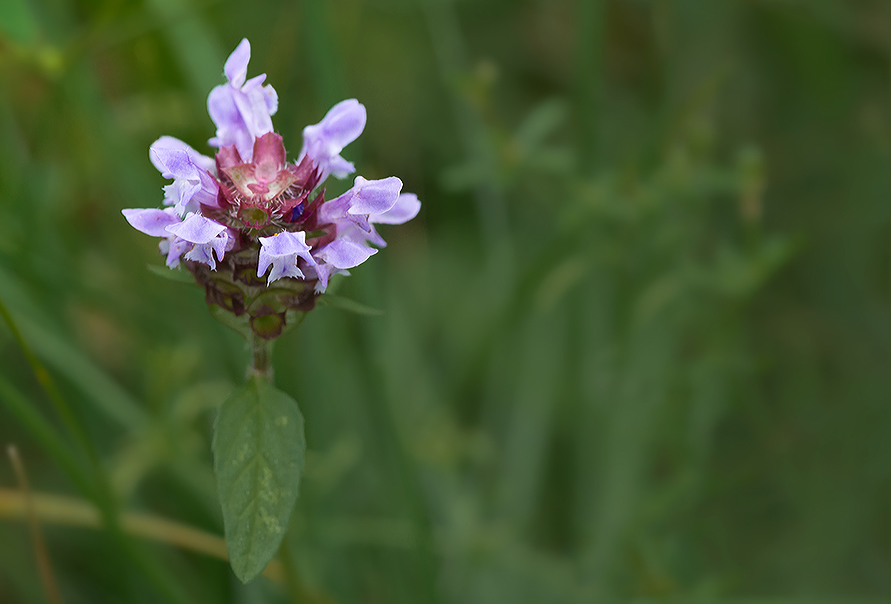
[(63, 409), (102, 491), (195, 45), (325, 61), (71, 511), (531, 418), (492, 212), (45, 435), (43, 560), (66, 360), (629, 432), (589, 80)]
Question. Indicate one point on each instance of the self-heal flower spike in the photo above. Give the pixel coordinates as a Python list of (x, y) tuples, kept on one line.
[(248, 219), (256, 233)]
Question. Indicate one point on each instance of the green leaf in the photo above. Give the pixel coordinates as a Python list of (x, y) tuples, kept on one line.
[(259, 450)]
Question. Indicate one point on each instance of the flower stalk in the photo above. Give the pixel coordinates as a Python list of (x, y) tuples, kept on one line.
[(255, 231), (261, 360)]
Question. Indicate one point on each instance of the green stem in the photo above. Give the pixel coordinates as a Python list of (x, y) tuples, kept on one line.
[(261, 360)]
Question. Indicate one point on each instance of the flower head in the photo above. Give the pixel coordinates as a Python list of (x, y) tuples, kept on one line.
[(248, 212)]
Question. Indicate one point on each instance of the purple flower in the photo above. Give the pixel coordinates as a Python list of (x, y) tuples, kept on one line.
[(248, 209), (324, 141), (281, 251), (241, 109), (205, 235), (197, 235), (336, 257), (352, 216), (369, 201), (193, 184), (367, 198), (155, 222), (406, 207)]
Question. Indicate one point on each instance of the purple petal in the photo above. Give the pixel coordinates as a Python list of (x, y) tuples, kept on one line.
[(349, 230), (338, 255), (270, 96), (341, 253), (407, 207), (254, 82), (323, 274), (192, 184), (336, 208), (151, 221), (165, 143), (174, 247), (196, 229), (375, 196), (281, 251), (237, 63), (253, 108), (285, 243), (222, 110), (207, 192), (324, 141), (174, 162), (343, 123), (180, 193), (339, 167), (231, 126), (281, 270), (169, 143), (202, 162), (203, 254), (223, 241), (242, 108), (360, 206)]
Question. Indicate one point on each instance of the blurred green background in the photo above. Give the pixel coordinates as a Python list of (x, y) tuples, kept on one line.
[(634, 348)]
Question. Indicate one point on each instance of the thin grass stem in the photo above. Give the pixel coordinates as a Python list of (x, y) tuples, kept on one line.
[(43, 560)]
